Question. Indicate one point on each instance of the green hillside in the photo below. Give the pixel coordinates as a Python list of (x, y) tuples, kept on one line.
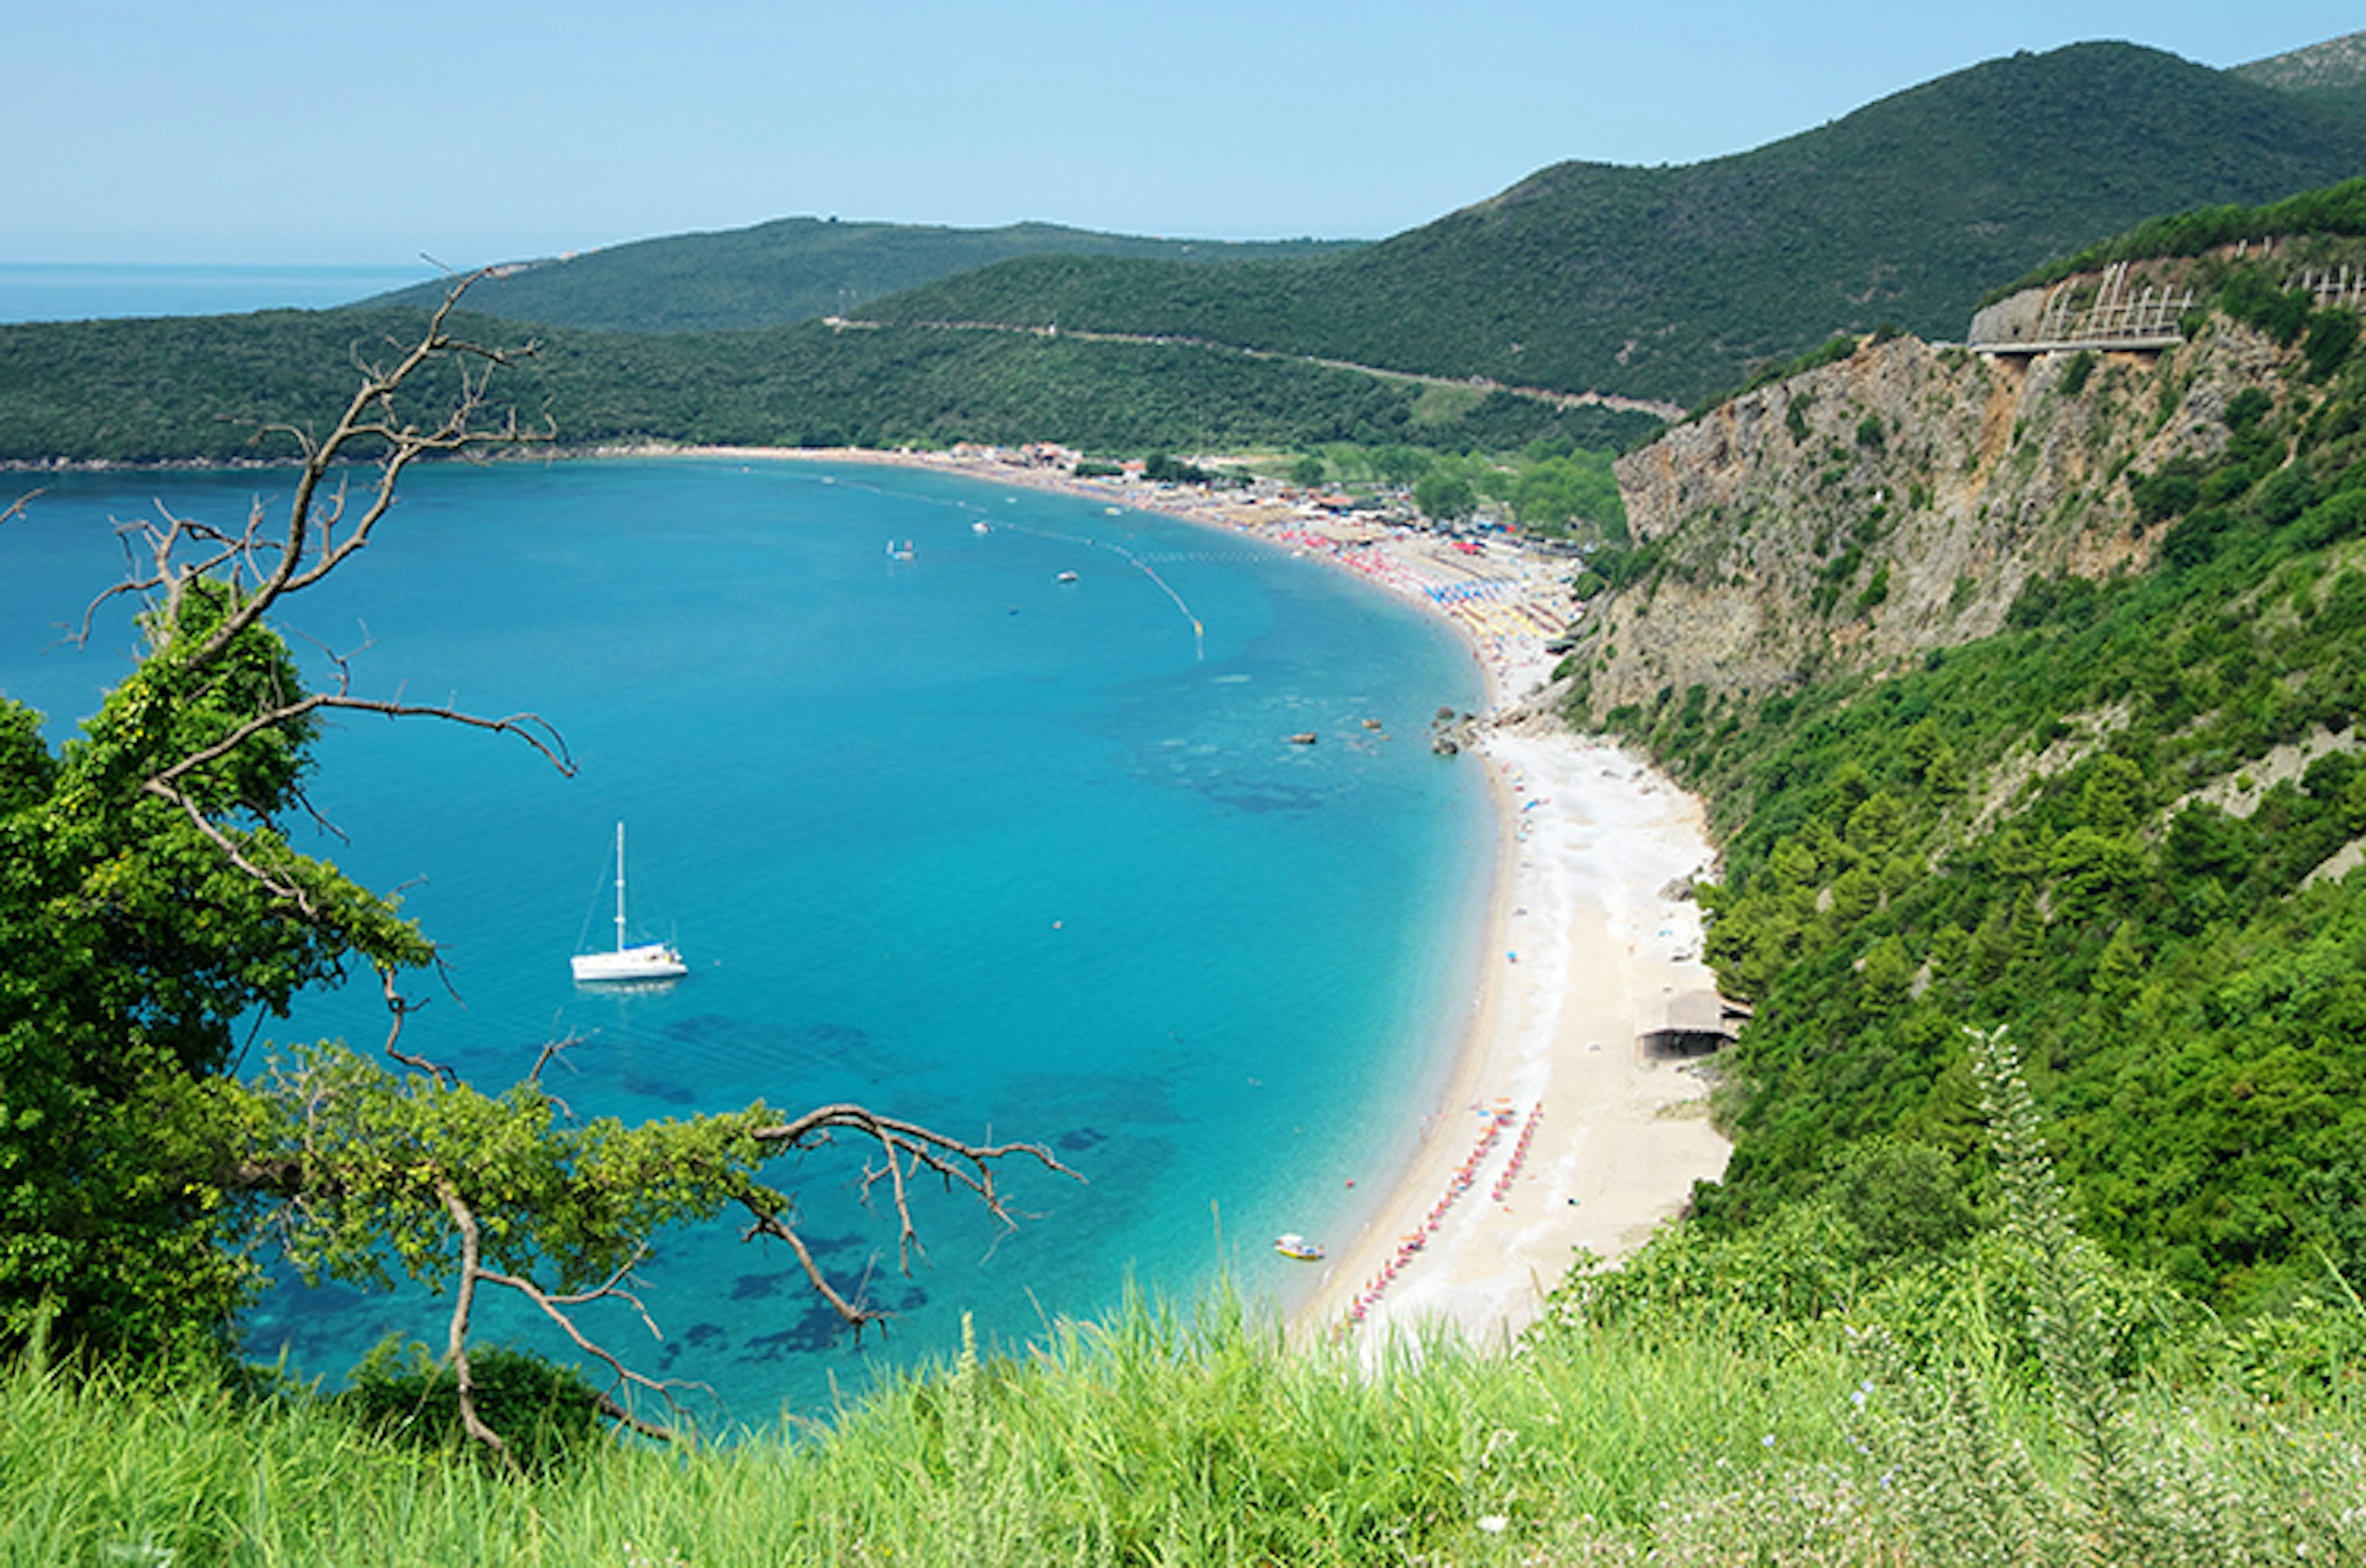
[(790, 270), (1669, 283), (2030, 694), (1658, 283), (2332, 73), (198, 388)]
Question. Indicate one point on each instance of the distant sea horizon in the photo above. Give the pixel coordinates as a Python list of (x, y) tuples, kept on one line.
[(85, 291)]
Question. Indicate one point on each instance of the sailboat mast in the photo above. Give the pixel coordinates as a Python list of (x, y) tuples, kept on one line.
[(620, 887)]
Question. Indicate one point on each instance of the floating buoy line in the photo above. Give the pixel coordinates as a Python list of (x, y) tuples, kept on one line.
[(1199, 630)]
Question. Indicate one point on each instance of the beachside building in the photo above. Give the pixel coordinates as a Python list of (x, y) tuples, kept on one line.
[(1694, 1023)]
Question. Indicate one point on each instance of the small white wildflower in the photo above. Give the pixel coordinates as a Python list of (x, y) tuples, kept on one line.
[(1495, 1524), (1768, 1440), (144, 1551)]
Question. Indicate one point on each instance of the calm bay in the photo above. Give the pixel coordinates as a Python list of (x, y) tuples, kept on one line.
[(1015, 857)]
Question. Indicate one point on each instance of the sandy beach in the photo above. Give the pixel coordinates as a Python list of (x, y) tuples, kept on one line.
[(1581, 1137), (1558, 1130)]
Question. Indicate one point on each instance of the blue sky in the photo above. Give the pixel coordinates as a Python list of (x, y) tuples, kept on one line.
[(321, 131)]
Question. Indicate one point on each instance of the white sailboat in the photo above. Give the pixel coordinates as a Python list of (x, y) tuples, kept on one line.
[(643, 961)]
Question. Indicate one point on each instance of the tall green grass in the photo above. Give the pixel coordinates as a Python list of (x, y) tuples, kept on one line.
[(1629, 1426), (1153, 1437), (1158, 1436)]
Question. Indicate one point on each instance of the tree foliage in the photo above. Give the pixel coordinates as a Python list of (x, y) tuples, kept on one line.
[(1568, 488), (1445, 496)]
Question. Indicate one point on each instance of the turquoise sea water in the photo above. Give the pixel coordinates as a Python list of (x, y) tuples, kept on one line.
[(59, 291), (946, 836)]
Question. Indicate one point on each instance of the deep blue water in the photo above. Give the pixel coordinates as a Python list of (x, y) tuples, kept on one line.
[(945, 836), (46, 291)]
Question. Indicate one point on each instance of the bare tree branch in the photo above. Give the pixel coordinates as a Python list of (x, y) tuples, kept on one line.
[(624, 1375), (550, 1049), (555, 1050), (256, 569), (312, 549), (768, 1222), (284, 891), (399, 1009), (464, 1301), (473, 1273), (532, 728), (902, 1145)]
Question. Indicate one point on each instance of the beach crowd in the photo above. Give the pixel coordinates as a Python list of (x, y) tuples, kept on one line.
[(1499, 1121)]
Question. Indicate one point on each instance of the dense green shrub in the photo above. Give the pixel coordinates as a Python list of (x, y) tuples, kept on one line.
[(2170, 493), (547, 1416)]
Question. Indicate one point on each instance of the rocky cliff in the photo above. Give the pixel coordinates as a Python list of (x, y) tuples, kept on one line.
[(1896, 500)]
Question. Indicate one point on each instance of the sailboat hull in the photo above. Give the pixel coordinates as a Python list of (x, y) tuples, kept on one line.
[(649, 961), (628, 963)]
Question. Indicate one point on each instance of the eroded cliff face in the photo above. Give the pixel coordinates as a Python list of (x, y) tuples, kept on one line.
[(1862, 513)]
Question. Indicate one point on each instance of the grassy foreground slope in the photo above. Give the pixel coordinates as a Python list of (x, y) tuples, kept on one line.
[(2011, 1401), (1670, 282), (791, 269)]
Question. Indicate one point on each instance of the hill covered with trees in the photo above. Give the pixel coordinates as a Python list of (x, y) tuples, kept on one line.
[(1671, 282), (2332, 73), (1661, 284), (200, 389), (791, 269), (2027, 693)]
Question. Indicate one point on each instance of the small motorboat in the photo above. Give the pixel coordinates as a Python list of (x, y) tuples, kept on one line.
[(1293, 1245), (1065, 576)]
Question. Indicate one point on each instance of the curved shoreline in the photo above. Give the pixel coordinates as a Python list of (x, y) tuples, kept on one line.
[(1599, 1141)]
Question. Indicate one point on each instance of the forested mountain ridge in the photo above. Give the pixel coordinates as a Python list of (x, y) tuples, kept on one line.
[(1653, 283), (200, 389), (791, 269), (1671, 282), (2027, 692), (2332, 73)]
